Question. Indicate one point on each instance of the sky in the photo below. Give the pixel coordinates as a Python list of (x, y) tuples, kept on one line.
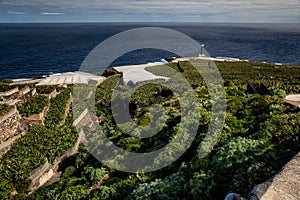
[(234, 11)]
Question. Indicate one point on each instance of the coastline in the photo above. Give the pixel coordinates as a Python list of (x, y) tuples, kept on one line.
[(139, 67)]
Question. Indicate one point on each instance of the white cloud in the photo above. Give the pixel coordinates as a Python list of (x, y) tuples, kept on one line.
[(52, 13), (215, 9), (15, 13)]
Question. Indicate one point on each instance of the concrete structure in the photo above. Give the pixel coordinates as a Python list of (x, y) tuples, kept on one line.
[(180, 60), (25, 81), (202, 52), (228, 59), (10, 102), (293, 99), (137, 73), (284, 186), (70, 78), (219, 59)]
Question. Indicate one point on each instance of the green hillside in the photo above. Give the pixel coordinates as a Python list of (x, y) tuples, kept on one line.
[(260, 135)]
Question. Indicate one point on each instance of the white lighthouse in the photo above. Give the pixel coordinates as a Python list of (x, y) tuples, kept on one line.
[(202, 51)]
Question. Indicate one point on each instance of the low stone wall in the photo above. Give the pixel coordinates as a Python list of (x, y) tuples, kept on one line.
[(39, 172), (4, 149), (38, 118), (33, 92), (80, 118), (24, 91), (86, 119), (10, 92), (53, 94), (9, 125)]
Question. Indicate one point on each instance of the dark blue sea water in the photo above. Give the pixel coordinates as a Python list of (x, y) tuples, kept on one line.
[(28, 50)]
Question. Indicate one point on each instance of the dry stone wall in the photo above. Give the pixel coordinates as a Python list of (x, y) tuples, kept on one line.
[(9, 125)]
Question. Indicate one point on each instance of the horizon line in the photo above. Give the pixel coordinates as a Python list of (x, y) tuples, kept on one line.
[(88, 22)]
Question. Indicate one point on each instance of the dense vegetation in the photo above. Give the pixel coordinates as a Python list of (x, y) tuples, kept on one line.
[(261, 133), (30, 152), (57, 109), (34, 105), (4, 109), (5, 87), (46, 89), (38, 145)]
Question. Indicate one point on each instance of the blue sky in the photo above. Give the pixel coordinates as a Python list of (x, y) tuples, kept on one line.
[(250, 11)]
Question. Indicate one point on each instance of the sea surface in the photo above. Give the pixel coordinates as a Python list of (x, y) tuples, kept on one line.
[(30, 50)]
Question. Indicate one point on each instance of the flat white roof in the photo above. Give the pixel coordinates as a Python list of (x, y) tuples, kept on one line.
[(137, 73), (70, 78)]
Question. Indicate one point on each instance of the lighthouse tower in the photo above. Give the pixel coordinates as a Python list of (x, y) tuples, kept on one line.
[(202, 51)]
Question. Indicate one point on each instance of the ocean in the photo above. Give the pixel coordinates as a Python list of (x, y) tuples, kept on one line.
[(30, 50)]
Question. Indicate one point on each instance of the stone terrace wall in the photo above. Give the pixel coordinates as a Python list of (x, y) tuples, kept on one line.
[(10, 92), (53, 94), (9, 125), (38, 119), (44, 173), (24, 91)]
